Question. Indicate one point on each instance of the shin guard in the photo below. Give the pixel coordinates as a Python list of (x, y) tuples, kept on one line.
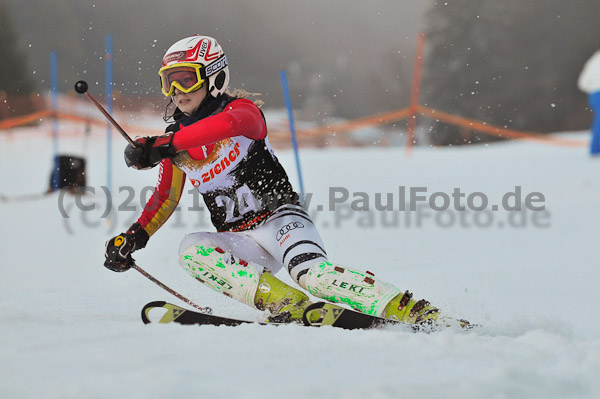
[(221, 271), (360, 290)]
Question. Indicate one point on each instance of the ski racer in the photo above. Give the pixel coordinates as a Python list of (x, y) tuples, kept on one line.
[(219, 142)]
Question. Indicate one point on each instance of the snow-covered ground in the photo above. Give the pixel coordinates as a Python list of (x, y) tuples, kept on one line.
[(71, 329)]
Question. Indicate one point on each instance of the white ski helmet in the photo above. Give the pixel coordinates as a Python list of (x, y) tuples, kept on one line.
[(201, 53)]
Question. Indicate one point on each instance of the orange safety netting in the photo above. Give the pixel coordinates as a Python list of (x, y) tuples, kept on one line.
[(38, 116), (341, 127), (492, 130)]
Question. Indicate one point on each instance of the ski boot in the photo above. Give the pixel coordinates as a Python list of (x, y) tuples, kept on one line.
[(405, 309), (421, 314), (286, 304)]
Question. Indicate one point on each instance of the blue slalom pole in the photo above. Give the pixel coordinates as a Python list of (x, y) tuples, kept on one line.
[(288, 105), (54, 106), (109, 108)]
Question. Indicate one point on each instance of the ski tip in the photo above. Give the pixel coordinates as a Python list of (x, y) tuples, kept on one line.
[(148, 307), (312, 314)]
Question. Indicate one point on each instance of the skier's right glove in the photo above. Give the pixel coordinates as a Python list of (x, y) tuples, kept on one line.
[(119, 248), (149, 151)]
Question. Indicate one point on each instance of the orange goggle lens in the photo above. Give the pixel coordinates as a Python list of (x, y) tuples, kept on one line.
[(184, 76)]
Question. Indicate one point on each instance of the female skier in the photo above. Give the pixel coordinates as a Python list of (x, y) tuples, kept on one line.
[(219, 141)]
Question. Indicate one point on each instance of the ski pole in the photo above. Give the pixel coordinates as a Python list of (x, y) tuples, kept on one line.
[(81, 87), (206, 310)]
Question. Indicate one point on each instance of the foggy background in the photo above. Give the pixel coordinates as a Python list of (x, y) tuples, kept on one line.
[(508, 63), (333, 46)]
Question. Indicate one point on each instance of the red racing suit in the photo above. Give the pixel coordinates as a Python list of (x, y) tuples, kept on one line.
[(228, 159)]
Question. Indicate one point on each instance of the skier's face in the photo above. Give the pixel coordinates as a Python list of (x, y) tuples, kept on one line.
[(188, 103)]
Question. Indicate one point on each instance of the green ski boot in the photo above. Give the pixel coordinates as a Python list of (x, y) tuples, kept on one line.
[(286, 304), (405, 309)]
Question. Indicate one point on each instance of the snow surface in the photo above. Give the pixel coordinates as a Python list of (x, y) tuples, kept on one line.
[(71, 329)]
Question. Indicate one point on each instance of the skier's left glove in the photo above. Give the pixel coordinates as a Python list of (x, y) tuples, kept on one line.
[(149, 151), (119, 248)]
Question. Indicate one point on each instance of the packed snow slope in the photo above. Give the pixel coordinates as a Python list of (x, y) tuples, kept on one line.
[(71, 328)]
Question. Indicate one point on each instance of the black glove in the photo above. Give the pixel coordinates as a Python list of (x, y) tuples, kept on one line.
[(149, 151), (119, 248)]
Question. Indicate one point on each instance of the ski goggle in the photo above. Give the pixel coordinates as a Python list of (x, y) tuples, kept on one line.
[(185, 76)]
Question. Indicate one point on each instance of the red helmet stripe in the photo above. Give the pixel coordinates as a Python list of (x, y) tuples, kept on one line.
[(209, 56), (192, 54)]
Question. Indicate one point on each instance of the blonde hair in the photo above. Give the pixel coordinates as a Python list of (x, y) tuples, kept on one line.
[(239, 93)]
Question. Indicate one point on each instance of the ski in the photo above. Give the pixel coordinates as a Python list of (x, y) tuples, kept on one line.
[(318, 314), (327, 314), (184, 316)]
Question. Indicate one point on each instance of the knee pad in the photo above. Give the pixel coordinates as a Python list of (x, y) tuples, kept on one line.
[(362, 291), (221, 271)]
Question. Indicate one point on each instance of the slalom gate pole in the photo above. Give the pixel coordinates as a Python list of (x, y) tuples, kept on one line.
[(414, 94), (54, 105), (109, 102), (288, 105), (144, 273)]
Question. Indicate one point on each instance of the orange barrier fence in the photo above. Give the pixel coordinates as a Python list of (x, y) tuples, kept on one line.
[(24, 120), (471, 124), (355, 124), (492, 130), (325, 131), (37, 116)]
